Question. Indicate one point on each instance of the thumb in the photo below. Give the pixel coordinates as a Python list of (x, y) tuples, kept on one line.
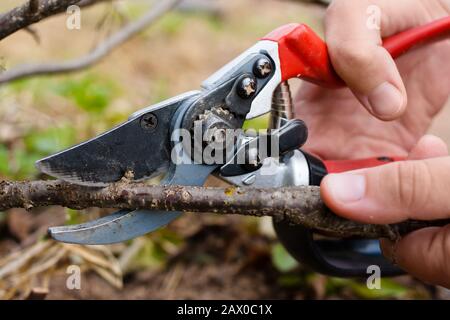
[(360, 60), (412, 189), (423, 253)]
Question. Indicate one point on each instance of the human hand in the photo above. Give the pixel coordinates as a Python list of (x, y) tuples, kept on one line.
[(341, 129), (412, 189)]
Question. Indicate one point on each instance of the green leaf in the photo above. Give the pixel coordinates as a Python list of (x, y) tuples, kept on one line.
[(72, 216), (17, 163), (258, 123), (282, 260), (50, 140), (4, 160), (23, 164), (33, 85), (388, 289), (290, 280), (167, 235), (172, 23), (90, 93), (150, 255)]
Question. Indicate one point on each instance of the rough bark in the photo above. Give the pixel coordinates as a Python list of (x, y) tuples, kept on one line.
[(297, 205), (31, 12), (34, 11)]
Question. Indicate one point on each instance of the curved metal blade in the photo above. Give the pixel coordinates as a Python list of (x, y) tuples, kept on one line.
[(130, 146), (117, 227)]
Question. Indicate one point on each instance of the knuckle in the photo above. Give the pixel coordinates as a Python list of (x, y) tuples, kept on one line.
[(412, 184), (348, 53), (336, 8)]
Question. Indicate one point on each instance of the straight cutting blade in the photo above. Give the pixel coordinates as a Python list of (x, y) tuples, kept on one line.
[(141, 145)]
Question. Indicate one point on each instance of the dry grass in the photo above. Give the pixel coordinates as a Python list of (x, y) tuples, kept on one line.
[(28, 270)]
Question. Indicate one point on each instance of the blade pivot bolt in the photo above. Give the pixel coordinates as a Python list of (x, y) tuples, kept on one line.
[(246, 87), (149, 121), (262, 68)]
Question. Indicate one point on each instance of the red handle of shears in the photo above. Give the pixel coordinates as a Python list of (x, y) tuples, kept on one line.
[(303, 54), (337, 166)]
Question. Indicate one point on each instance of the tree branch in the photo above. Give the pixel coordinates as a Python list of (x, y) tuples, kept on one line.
[(95, 55), (33, 6), (297, 205), (31, 12), (34, 11)]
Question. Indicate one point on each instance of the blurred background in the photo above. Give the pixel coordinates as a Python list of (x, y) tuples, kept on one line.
[(197, 256)]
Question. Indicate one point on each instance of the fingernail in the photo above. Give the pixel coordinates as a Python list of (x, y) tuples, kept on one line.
[(346, 187), (385, 100)]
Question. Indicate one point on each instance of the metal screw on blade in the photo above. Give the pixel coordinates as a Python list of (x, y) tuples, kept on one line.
[(149, 121), (262, 68), (246, 87)]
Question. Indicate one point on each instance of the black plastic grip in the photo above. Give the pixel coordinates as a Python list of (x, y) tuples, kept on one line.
[(334, 257)]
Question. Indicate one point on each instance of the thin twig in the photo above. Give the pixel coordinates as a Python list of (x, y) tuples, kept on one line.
[(296, 205), (95, 55)]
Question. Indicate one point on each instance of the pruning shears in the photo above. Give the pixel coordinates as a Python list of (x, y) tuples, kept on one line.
[(161, 139)]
